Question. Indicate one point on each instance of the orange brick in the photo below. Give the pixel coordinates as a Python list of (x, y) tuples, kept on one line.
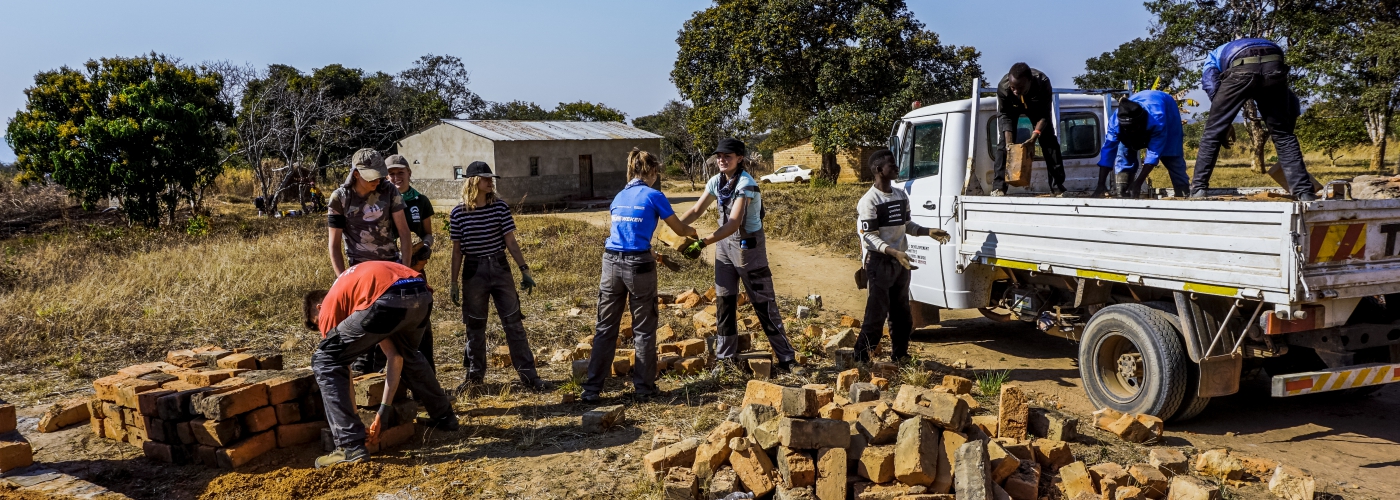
[(260, 419), (185, 432), (136, 436), (106, 387), (178, 385), (128, 389), (113, 429), (290, 387), (215, 433), (171, 454), (161, 430), (288, 413), (15, 452), (207, 455), (235, 402), (268, 360), (245, 451), (295, 434), (393, 436), (208, 377), (240, 361), (99, 427), (7, 417), (143, 368), (146, 402), (184, 358)]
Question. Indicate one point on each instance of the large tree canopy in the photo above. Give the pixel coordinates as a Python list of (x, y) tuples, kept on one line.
[(583, 111), (1142, 63), (838, 71), (145, 130)]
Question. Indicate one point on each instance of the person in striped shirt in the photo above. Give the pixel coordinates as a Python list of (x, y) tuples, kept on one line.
[(482, 230)]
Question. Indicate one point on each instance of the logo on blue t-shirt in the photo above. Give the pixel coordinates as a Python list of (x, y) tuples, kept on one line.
[(635, 212)]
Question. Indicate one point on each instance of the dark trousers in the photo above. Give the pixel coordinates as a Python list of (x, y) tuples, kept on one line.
[(400, 315), (374, 360), (888, 285), (1267, 85), (735, 264), (627, 280), (484, 280), (1049, 147)]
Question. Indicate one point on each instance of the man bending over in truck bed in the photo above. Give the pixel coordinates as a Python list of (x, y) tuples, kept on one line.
[(883, 221), (1026, 91), (1147, 120)]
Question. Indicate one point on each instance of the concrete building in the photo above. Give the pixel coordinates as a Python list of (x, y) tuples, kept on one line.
[(854, 167), (539, 162)]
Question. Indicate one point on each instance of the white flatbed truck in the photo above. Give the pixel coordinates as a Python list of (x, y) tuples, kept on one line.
[(1171, 300)]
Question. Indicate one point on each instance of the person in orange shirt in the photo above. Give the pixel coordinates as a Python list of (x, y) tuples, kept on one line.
[(372, 303)]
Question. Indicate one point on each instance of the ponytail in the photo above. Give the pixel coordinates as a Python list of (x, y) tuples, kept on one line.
[(641, 163)]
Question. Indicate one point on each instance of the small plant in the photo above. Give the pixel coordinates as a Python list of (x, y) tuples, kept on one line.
[(197, 226), (990, 382), (572, 386), (915, 375)]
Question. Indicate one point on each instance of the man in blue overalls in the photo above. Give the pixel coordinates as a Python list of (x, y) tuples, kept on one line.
[(1148, 120)]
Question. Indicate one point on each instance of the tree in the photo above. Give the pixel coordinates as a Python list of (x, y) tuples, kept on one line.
[(446, 78), (1193, 28), (1330, 127), (839, 71), (1351, 50), (678, 145), (145, 130), (513, 110), (1146, 63), (585, 111)]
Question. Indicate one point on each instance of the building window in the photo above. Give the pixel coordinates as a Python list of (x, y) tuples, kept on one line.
[(457, 173), (534, 166)]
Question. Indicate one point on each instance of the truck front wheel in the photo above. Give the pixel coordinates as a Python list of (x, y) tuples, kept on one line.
[(1131, 360)]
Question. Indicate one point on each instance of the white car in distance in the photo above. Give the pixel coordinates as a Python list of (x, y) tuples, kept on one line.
[(790, 173)]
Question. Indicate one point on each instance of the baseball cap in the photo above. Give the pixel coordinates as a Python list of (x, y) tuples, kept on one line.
[(731, 145), (370, 164), (1132, 124), (479, 169), (396, 161)]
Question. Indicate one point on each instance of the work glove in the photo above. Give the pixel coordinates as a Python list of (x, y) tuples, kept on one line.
[(527, 282), (939, 234), (385, 418), (428, 241), (456, 294), (692, 251), (903, 259)]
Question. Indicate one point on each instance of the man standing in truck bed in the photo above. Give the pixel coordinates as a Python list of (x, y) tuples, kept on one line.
[(1026, 91), (1243, 70)]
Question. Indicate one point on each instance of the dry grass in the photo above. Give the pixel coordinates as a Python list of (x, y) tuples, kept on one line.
[(1240, 175), (812, 214)]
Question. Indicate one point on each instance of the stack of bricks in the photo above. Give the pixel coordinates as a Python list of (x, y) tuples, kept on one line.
[(211, 406), (369, 392), (15, 451)]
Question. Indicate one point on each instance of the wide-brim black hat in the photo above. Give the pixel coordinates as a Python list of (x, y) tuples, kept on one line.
[(480, 169), (731, 145)]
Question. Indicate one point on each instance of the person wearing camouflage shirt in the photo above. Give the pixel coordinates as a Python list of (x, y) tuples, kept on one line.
[(368, 215)]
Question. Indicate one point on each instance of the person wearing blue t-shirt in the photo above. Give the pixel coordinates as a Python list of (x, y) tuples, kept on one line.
[(1148, 120), (740, 255), (1251, 69), (629, 273)]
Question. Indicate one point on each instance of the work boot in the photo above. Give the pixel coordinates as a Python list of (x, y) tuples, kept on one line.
[(591, 397), (1057, 190), (444, 423), (538, 385), (1306, 197), (1199, 193), (790, 366), (353, 454), (1122, 182)]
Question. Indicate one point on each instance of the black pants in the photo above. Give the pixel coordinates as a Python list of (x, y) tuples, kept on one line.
[(374, 360), (1267, 85), (888, 285), (1049, 147)]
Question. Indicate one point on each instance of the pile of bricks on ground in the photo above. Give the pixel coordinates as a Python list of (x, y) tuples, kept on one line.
[(212, 406), (15, 451), (369, 391), (854, 441)]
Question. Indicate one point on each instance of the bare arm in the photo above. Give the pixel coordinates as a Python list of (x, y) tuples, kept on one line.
[(336, 251), (736, 217), (698, 208), (514, 248), (680, 228), (405, 239), (393, 368)]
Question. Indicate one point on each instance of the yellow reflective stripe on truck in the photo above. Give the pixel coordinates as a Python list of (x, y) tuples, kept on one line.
[(1014, 264), (1335, 380), (1225, 291), (1210, 289), (1101, 275)]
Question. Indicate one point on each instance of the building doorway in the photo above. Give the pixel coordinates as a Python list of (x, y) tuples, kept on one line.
[(585, 177)]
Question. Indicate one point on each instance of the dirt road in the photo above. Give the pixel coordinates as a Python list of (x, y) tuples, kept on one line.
[(1352, 446)]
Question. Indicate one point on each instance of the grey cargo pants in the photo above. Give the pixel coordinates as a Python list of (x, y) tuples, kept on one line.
[(628, 277), (739, 259), (398, 314), (486, 279)]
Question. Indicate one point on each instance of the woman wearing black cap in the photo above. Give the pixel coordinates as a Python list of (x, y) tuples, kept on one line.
[(740, 255), (482, 231)]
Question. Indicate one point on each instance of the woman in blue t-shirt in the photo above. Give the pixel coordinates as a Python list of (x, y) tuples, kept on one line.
[(741, 255), (629, 272)]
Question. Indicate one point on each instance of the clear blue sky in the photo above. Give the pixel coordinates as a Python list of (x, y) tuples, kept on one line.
[(616, 52)]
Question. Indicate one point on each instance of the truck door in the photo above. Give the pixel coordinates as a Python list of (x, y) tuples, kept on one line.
[(920, 162)]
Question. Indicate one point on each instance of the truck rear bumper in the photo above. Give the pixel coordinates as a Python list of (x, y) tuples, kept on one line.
[(1336, 379)]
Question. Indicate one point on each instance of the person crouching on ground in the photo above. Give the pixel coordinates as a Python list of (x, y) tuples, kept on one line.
[(418, 211), (629, 276), (741, 254), (482, 230), (883, 222), (374, 303)]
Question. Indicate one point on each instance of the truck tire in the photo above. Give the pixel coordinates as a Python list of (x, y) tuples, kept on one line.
[(1191, 404), (1131, 360)]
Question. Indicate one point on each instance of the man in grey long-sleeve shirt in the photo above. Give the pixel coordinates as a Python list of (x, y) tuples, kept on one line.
[(882, 224)]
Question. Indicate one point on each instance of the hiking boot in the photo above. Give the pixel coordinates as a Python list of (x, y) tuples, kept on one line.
[(353, 454), (1306, 197), (998, 192), (444, 423), (1199, 193), (591, 398), (539, 385), (790, 366)]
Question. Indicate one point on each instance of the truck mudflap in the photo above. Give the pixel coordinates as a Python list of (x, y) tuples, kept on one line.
[(1335, 379)]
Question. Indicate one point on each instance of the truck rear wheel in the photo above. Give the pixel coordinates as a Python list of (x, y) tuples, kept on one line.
[(1131, 360), (1191, 403)]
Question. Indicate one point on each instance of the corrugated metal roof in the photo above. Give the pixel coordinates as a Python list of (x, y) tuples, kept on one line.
[(510, 130)]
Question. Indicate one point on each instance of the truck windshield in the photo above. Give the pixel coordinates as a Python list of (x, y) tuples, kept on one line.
[(925, 153)]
